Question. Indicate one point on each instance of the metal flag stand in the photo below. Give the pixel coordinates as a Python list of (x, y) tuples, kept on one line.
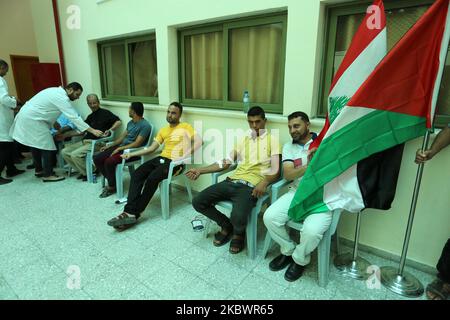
[(351, 265), (400, 281)]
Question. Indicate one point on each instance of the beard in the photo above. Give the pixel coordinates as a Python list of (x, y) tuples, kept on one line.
[(299, 137)]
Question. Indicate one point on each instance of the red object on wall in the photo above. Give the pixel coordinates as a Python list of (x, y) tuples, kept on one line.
[(45, 75)]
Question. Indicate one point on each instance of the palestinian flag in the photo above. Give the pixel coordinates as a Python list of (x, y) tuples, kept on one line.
[(367, 49), (395, 104)]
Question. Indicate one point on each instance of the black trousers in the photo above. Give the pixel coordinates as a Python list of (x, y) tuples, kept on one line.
[(443, 265), (7, 156), (144, 182), (239, 194), (43, 161)]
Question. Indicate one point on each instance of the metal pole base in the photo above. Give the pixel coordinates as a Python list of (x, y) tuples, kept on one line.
[(406, 285), (356, 269)]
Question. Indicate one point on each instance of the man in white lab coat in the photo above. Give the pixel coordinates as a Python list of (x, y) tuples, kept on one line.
[(34, 121), (7, 106)]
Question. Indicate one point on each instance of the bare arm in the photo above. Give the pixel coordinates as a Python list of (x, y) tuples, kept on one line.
[(442, 140), (193, 174), (152, 148), (269, 177)]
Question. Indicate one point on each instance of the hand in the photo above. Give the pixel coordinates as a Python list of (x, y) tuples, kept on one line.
[(260, 189), (103, 148), (423, 156), (311, 154), (107, 133), (59, 137), (116, 151), (193, 174), (125, 156), (57, 126), (97, 133)]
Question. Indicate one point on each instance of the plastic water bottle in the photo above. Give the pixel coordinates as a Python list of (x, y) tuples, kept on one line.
[(94, 178), (246, 101)]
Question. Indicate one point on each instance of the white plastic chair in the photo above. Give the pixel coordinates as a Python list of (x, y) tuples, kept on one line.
[(90, 156), (252, 224), (323, 250)]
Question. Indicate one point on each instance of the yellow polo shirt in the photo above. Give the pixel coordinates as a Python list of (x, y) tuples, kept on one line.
[(255, 157), (175, 139)]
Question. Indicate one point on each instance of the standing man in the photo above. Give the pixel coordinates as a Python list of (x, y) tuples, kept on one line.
[(104, 120), (7, 106), (258, 156), (137, 134), (439, 289), (32, 125), (295, 163), (179, 140)]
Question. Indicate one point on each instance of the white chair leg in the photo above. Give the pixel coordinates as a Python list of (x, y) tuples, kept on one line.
[(323, 252), (252, 233), (89, 171), (188, 188), (119, 181), (164, 191), (267, 244)]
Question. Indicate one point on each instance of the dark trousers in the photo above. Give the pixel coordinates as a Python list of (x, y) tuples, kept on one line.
[(42, 160), (144, 182), (7, 157), (443, 265), (239, 194), (107, 163)]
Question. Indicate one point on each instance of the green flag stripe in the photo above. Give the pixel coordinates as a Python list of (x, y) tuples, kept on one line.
[(372, 133)]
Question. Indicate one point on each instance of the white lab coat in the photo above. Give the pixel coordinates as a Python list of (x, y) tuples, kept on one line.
[(34, 121), (7, 104)]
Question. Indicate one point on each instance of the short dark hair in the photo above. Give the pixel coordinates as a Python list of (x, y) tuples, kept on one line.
[(138, 108), (3, 64), (178, 105), (256, 111), (75, 86), (298, 114)]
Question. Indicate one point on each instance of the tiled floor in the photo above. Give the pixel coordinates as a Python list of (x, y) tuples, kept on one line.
[(50, 232)]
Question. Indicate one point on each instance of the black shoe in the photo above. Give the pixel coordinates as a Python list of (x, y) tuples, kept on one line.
[(5, 181), (107, 192), (30, 166), (82, 177), (280, 262), (294, 272), (14, 173)]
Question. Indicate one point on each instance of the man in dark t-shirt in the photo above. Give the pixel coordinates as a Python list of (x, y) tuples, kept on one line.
[(101, 119)]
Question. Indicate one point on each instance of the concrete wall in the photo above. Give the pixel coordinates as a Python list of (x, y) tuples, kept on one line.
[(16, 34)]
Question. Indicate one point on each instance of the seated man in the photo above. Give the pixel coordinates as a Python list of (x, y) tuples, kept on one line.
[(104, 120), (179, 140), (295, 163), (63, 130), (258, 166), (136, 135)]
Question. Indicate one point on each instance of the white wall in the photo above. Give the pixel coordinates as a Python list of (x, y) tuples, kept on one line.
[(16, 34), (117, 18)]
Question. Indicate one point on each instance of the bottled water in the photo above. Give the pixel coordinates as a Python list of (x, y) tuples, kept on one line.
[(246, 101)]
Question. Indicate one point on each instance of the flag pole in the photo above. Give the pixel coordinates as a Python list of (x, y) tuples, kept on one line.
[(350, 265), (398, 280)]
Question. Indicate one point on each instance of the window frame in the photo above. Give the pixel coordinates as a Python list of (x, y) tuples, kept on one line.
[(225, 27), (332, 12), (129, 72)]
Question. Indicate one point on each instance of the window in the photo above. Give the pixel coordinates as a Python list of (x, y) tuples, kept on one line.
[(221, 61), (343, 22), (129, 69)]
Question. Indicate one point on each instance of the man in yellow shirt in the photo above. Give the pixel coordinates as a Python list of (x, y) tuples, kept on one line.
[(258, 156), (179, 140)]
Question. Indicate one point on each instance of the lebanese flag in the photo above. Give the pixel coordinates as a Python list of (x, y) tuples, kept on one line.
[(394, 105)]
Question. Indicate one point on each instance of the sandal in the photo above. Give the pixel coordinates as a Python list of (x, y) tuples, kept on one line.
[(221, 238), (237, 244), (122, 219), (438, 290)]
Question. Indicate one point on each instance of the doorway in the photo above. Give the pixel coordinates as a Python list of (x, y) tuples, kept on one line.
[(21, 68)]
